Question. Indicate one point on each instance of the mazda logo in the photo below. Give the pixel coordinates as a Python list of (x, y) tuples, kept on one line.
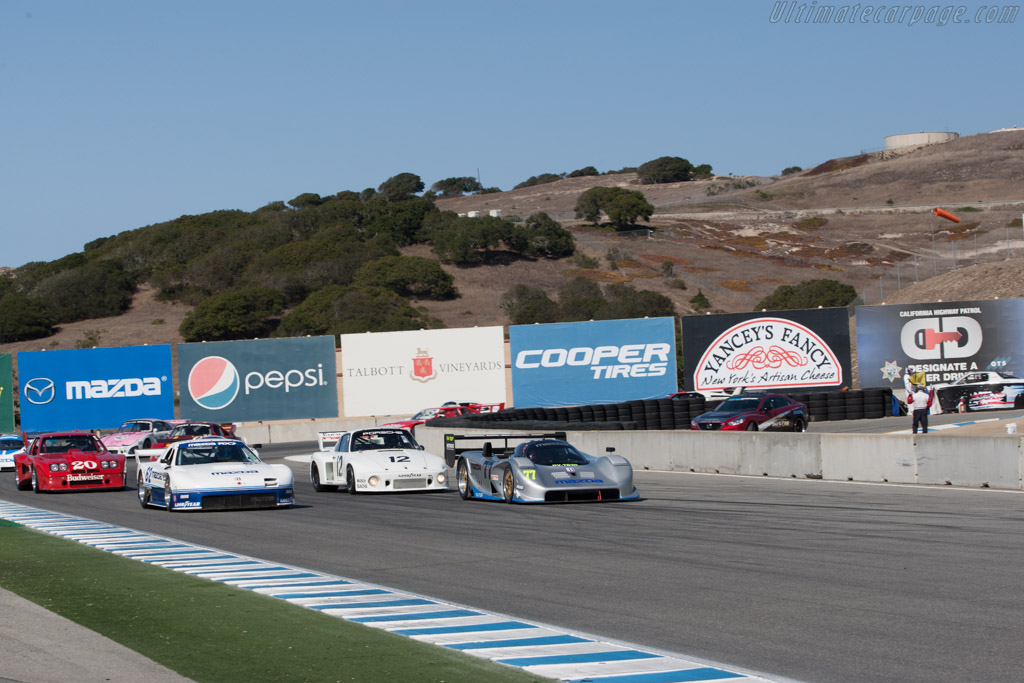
[(39, 391)]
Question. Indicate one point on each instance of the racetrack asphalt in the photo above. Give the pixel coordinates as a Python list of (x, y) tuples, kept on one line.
[(39, 646)]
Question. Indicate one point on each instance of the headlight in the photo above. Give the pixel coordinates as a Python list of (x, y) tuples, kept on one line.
[(58, 467), (108, 464), (735, 421), (441, 478), (373, 481), (693, 422)]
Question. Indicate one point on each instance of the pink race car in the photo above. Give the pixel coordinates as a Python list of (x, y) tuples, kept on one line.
[(141, 433)]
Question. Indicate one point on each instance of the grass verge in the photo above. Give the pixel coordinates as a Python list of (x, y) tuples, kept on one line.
[(211, 632)]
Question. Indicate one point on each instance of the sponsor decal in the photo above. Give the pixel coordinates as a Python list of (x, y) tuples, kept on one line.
[(604, 362), (40, 391), (941, 337), (236, 472), (580, 481), (85, 477), (422, 366), (891, 370), (113, 388), (767, 353), (213, 382)]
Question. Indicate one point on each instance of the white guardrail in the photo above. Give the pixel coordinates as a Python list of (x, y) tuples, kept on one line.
[(936, 459)]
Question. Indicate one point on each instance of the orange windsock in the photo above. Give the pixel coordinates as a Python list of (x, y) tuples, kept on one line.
[(945, 214)]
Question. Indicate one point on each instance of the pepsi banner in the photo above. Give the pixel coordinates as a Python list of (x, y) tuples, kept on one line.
[(94, 388), (943, 340), (260, 379), (797, 349), (605, 361), (6, 394), (397, 373)]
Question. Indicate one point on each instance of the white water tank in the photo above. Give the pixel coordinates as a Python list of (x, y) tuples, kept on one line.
[(917, 139), (473, 214), (495, 213)]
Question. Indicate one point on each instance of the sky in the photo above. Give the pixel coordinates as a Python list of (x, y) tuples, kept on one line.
[(117, 114)]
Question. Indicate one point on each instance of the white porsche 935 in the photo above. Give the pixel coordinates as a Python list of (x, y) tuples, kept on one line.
[(376, 460)]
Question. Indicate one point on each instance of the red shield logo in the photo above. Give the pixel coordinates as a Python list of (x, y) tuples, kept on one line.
[(422, 366)]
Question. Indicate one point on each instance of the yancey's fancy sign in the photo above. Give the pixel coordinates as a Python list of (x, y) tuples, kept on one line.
[(790, 349), (394, 373)]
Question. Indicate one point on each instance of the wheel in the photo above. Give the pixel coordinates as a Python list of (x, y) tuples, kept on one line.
[(314, 476), (23, 485), (144, 494), (35, 481), (508, 485), (168, 494), (799, 425), (462, 480), (751, 426), (350, 480), (147, 444)]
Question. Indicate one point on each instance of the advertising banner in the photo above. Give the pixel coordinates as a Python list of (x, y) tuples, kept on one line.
[(94, 388), (395, 373), (604, 361), (944, 340), (6, 394), (797, 349), (259, 379)]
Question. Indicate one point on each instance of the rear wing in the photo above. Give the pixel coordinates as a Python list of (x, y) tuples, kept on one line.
[(484, 407), (326, 440), (452, 449)]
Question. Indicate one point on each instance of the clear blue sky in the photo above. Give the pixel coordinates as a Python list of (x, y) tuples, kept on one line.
[(120, 114)]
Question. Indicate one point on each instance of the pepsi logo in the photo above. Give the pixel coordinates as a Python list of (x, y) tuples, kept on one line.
[(213, 382)]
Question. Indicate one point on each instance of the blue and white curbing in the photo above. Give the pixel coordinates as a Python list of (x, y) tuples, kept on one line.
[(539, 649)]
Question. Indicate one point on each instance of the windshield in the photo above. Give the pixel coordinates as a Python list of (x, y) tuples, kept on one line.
[(10, 444), (206, 454), (192, 430), (62, 444), (739, 405), (1006, 375), (425, 414), (552, 454), (378, 439)]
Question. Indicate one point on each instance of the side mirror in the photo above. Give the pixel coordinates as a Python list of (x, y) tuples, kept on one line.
[(486, 452), (609, 449), (421, 447)]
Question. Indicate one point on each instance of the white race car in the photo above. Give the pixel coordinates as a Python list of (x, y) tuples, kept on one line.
[(10, 444), (377, 460), (213, 473)]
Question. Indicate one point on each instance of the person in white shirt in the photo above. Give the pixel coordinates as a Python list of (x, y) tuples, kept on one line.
[(919, 403)]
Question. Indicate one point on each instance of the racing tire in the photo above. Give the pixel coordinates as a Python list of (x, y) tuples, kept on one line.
[(22, 485), (35, 481), (799, 425), (314, 476), (168, 495), (350, 481), (751, 426), (462, 480), (508, 485), (1018, 402), (144, 495)]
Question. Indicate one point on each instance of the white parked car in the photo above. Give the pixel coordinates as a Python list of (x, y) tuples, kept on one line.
[(213, 473), (377, 460)]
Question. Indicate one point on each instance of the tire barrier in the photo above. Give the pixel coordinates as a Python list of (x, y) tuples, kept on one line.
[(666, 413)]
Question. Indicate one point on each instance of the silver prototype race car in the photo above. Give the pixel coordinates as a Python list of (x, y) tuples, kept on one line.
[(543, 469)]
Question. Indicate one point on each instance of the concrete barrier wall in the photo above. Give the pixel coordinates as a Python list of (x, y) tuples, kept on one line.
[(989, 461)]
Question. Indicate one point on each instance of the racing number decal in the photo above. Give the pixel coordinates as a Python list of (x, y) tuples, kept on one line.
[(398, 458), (84, 465), (529, 474)]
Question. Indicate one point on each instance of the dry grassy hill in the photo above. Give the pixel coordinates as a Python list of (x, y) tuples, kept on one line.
[(864, 220)]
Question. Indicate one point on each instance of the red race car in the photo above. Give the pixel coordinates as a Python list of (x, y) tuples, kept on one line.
[(68, 461), (447, 410)]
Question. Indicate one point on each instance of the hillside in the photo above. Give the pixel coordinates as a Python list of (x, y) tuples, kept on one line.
[(864, 220)]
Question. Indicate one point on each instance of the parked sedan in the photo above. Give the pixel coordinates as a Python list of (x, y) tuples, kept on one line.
[(747, 412)]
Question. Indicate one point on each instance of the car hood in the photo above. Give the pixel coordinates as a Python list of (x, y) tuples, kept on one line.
[(122, 438), (390, 460), (233, 474), (721, 416)]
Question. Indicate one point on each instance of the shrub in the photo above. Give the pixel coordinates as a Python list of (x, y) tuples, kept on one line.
[(413, 276), (808, 294), (240, 314), (22, 319), (666, 170), (700, 302)]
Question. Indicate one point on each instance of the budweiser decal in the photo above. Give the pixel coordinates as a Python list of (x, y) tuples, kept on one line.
[(767, 353)]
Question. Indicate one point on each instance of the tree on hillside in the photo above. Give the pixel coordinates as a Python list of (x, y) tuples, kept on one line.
[(526, 305), (623, 207), (546, 237), (412, 276), (582, 172), (306, 199), (456, 187), (22, 319), (583, 299), (350, 310), (665, 170), (238, 314), (401, 187), (541, 179), (791, 170), (808, 294)]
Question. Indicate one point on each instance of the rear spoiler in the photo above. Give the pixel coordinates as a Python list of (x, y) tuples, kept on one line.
[(452, 448), (326, 440)]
